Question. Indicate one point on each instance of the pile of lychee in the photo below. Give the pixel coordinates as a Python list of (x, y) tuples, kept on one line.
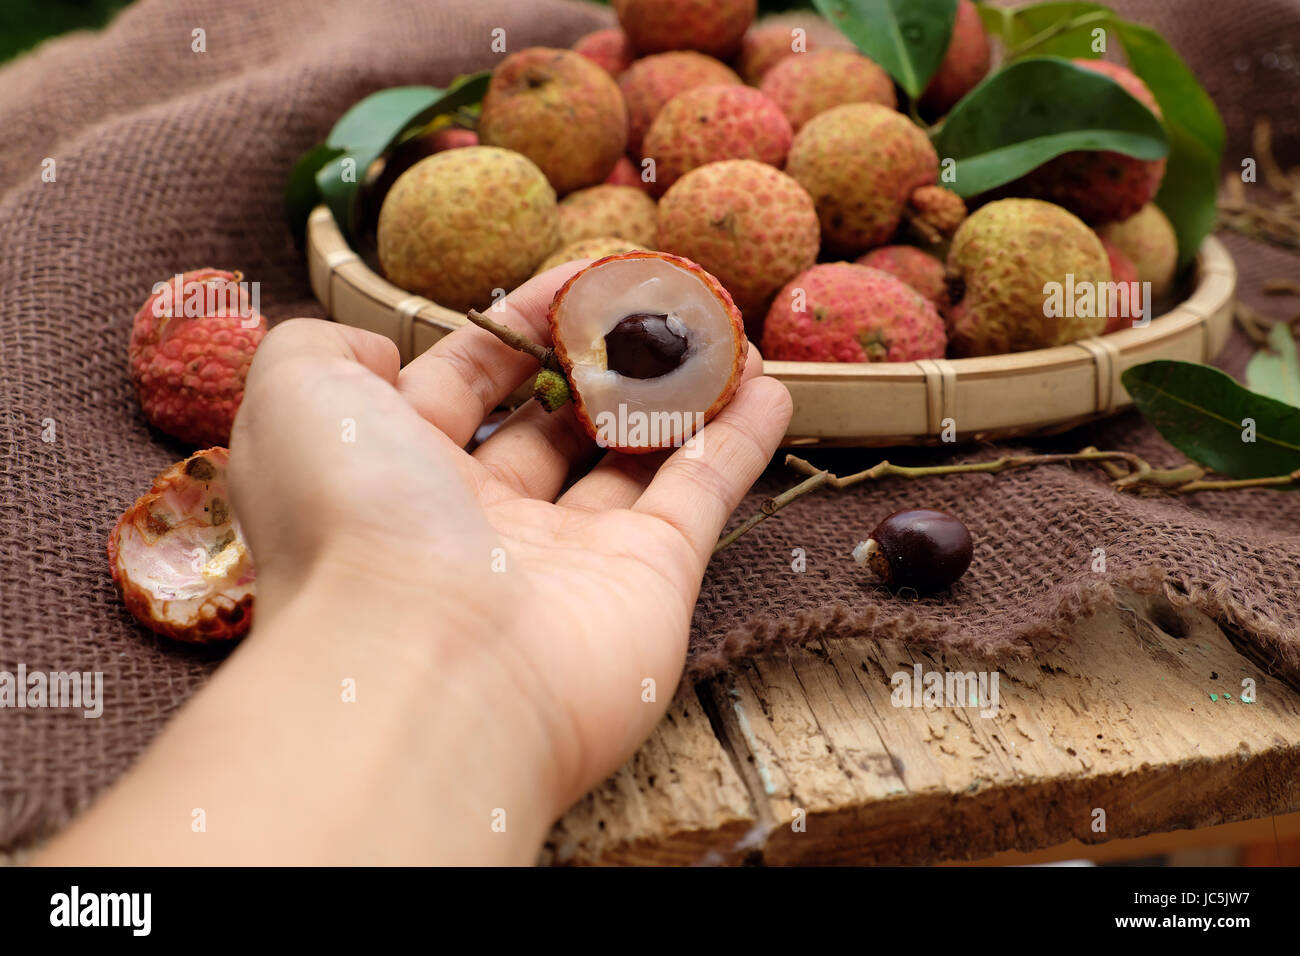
[(774, 156)]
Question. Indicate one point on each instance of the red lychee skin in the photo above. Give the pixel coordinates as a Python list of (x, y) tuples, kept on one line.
[(189, 371), (219, 617), (711, 123), (963, 66), (649, 83), (607, 48), (804, 86), (764, 47), (920, 270), (715, 27), (714, 287), (1099, 186), (851, 313), (626, 173), (1121, 270), (451, 137)]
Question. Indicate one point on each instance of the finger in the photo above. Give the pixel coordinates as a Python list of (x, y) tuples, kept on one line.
[(698, 488), (468, 373), (316, 339), (533, 451), (618, 480)]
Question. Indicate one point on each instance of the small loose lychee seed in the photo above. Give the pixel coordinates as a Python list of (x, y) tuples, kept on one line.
[(643, 345), (919, 549)]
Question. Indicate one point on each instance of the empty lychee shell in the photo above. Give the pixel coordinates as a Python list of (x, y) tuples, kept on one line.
[(652, 346), (179, 558)]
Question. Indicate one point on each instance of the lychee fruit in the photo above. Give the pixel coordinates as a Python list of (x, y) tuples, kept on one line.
[(652, 346), (179, 559), (560, 110), (401, 158), (609, 49), (938, 209), (715, 27), (623, 211), (597, 247), (745, 222), (1099, 186), (649, 83), (1004, 261), (711, 123), (626, 173), (861, 163), (191, 344), (922, 271), (842, 312), (461, 224), (1148, 239), (963, 66), (766, 45), (1121, 270), (806, 86)]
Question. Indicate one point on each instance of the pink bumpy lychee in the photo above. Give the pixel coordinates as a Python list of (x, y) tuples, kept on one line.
[(608, 49), (190, 351), (711, 123), (922, 271), (1100, 186), (626, 173), (715, 27), (766, 45), (842, 312), (963, 66), (1121, 270), (805, 86), (649, 83)]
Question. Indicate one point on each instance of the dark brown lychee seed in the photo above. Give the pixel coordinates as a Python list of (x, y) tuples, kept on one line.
[(919, 549), (643, 345)]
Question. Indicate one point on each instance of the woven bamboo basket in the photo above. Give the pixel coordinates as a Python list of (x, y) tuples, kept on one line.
[(867, 404)]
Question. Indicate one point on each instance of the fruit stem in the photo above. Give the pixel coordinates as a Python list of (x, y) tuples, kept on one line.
[(517, 341), (1139, 476)]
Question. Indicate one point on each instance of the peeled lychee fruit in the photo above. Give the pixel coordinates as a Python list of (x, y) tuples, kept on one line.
[(608, 49), (597, 247), (1121, 270), (178, 557), (963, 66), (714, 27), (1001, 263), (806, 86), (1149, 241), (461, 224), (842, 312), (766, 45), (922, 271), (560, 110), (861, 164), (1097, 185), (750, 225), (191, 344), (649, 83), (652, 347), (711, 123), (623, 211)]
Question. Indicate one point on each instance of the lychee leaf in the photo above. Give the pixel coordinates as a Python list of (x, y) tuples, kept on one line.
[(1065, 28), (1035, 110), (1207, 416), (302, 194), (1275, 370), (1189, 193), (907, 38)]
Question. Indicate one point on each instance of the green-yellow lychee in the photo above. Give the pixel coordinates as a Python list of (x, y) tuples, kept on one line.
[(607, 210), (1009, 267), (861, 163), (1149, 240), (560, 110), (597, 247), (463, 223)]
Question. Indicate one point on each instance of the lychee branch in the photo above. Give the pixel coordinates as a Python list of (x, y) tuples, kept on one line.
[(1127, 471), (551, 388)]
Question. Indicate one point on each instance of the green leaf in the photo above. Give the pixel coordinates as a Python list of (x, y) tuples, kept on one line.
[(1189, 192), (908, 38), (1035, 110), (366, 132), (1203, 413), (1275, 371), (1053, 29), (302, 193)]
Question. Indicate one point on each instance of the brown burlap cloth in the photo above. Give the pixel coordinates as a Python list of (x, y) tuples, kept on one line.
[(168, 159)]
